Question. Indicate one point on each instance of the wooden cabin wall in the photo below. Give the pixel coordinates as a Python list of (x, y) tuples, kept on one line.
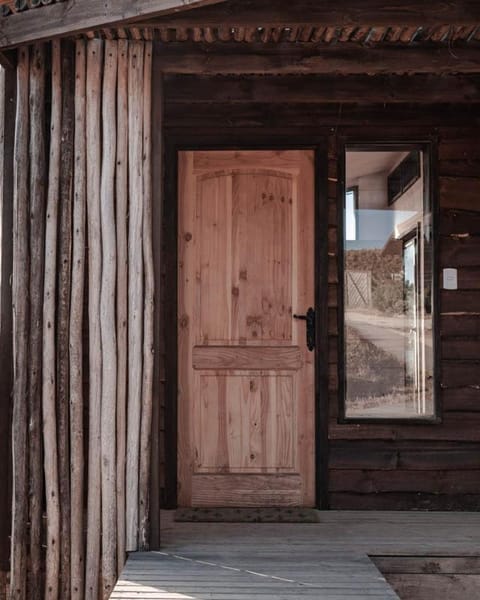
[(82, 298), (377, 466)]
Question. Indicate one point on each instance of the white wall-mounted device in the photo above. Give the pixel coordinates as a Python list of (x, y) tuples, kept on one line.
[(450, 279)]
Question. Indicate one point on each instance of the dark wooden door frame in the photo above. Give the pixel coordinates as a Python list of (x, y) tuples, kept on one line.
[(258, 141)]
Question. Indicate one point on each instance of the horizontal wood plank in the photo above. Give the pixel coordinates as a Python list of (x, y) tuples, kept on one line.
[(460, 373), (246, 119), (428, 586), (428, 564), (459, 301), (461, 349), (465, 148), (460, 325), (247, 357), (404, 501), (346, 59), (454, 427), (460, 192), (390, 456), (373, 482), (460, 222), (466, 399), (422, 89), (460, 252), (259, 490), (465, 167)]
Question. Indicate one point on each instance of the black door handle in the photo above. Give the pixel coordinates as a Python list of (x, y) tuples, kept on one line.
[(310, 321)]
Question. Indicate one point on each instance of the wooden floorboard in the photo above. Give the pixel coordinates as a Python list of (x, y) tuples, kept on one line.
[(328, 560)]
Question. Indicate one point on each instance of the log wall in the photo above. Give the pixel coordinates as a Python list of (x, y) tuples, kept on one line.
[(82, 279), (374, 466)]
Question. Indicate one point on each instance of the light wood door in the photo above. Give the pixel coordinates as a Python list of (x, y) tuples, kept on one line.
[(246, 378)]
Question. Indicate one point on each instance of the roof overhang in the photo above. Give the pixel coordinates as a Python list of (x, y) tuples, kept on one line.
[(76, 16)]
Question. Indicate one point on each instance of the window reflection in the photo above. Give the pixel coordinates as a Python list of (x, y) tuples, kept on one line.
[(388, 280)]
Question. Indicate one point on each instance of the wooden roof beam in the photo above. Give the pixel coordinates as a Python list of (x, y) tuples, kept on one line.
[(333, 13), (341, 59), (77, 16)]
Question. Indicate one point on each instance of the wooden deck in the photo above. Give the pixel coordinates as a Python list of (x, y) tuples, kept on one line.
[(328, 560)]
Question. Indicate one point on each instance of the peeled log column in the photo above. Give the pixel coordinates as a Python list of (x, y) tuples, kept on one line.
[(63, 303), (107, 323), (37, 256), (122, 281), (94, 67), (20, 336), (135, 287), (76, 337), (49, 355), (147, 383)]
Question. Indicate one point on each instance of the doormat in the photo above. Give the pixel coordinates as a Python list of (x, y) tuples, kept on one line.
[(247, 515)]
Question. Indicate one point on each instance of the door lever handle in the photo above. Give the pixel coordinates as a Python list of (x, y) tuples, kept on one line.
[(309, 317)]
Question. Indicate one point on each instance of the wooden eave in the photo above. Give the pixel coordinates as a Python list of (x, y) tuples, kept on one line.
[(72, 17)]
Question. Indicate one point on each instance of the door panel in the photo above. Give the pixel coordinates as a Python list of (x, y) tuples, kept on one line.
[(246, 381)]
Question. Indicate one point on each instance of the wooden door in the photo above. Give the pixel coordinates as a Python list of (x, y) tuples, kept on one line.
[(246, 378)]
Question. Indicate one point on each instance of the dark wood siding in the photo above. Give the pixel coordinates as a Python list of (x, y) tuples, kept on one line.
[(380, 466), (429, 466)]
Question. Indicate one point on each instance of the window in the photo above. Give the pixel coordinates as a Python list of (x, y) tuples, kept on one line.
[(387, 260)]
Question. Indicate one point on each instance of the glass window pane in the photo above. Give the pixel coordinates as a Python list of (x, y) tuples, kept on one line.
[(388, 286)]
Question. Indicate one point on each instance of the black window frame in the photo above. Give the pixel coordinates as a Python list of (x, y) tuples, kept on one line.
[(430, 153)]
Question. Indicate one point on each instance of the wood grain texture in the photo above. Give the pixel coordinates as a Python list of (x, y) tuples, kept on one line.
[(158, 199), (246, 357), (76, 366), (246, 264), (344, 59), (421, 89), (20, 336), (37, 251), (49, 348), (107, 321), (63, 307), (69, 17), (135, 287), (148, 312), (121, 210), (7, 137), (94, 91)]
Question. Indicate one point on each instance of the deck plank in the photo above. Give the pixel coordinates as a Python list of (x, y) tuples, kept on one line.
[(328, 560)]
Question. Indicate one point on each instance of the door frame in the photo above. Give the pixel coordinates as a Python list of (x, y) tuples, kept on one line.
[(168, 315)]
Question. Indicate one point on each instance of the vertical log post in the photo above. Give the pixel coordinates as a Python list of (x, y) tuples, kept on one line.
[(7, 137), (63, 317), (122, 282), (20, 336), (135, 287), (94, 70), (76, 331), (147, 383), (37, 256), (107, 322), (49, 354), (159, 342)]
